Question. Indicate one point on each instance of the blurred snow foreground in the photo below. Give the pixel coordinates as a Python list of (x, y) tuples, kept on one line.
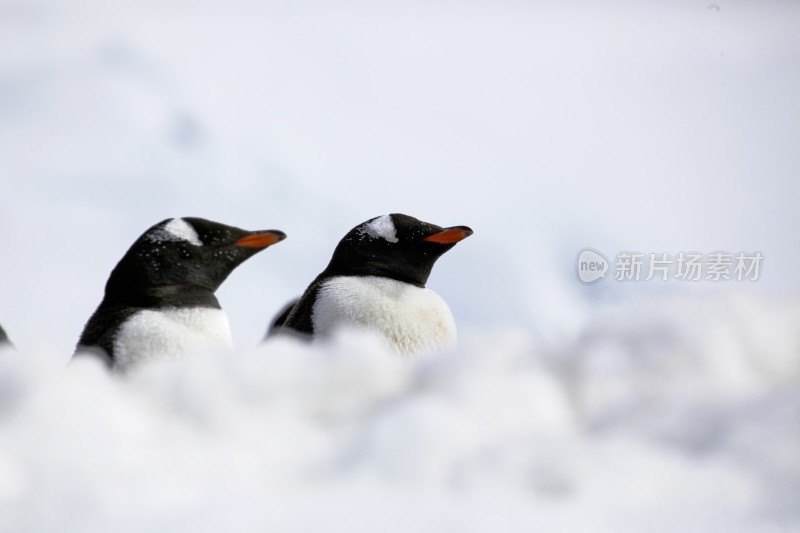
[(675, 415)]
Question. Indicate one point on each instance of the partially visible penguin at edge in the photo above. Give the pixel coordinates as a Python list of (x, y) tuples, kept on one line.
[(159, 300), (5, 342), (376, 280)]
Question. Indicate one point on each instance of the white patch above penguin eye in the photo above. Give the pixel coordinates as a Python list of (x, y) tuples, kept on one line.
[(380, 228), (176, 229)]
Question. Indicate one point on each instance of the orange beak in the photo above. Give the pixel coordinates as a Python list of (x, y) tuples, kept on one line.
[(449, 235), (261, 239)]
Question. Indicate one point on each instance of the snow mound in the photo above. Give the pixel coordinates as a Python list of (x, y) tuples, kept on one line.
[(673, 415)]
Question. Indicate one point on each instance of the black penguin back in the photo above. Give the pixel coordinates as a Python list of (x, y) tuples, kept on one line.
[(299, 317)]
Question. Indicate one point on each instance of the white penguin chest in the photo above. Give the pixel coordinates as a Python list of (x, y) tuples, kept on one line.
[(170, 333), (411, 318)]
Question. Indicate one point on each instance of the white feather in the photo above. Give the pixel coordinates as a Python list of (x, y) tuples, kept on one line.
[(411, 318), (380, 228), (170, 333), (176, 229)]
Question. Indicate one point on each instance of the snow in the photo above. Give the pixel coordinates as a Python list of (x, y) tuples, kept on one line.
[(381, 227), (663, 127), (506, 432), (176, 229)]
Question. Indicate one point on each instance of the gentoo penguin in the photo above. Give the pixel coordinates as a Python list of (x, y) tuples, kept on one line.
[(4, 341), (376, 280), (159, 300)]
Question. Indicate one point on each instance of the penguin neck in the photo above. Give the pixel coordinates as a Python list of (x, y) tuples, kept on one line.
[(417, 276), (166, 296)]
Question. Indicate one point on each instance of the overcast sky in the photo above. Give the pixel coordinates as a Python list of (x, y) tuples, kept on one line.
[(546, 127)]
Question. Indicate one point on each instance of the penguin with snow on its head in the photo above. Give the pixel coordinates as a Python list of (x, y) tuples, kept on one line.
[(159, 300), (376, 280)]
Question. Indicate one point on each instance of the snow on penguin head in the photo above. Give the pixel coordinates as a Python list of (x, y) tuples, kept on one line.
[(381, 227), (176, 229)]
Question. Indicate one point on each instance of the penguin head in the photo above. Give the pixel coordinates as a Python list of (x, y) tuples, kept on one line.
[(186, 252), (394, 246)]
